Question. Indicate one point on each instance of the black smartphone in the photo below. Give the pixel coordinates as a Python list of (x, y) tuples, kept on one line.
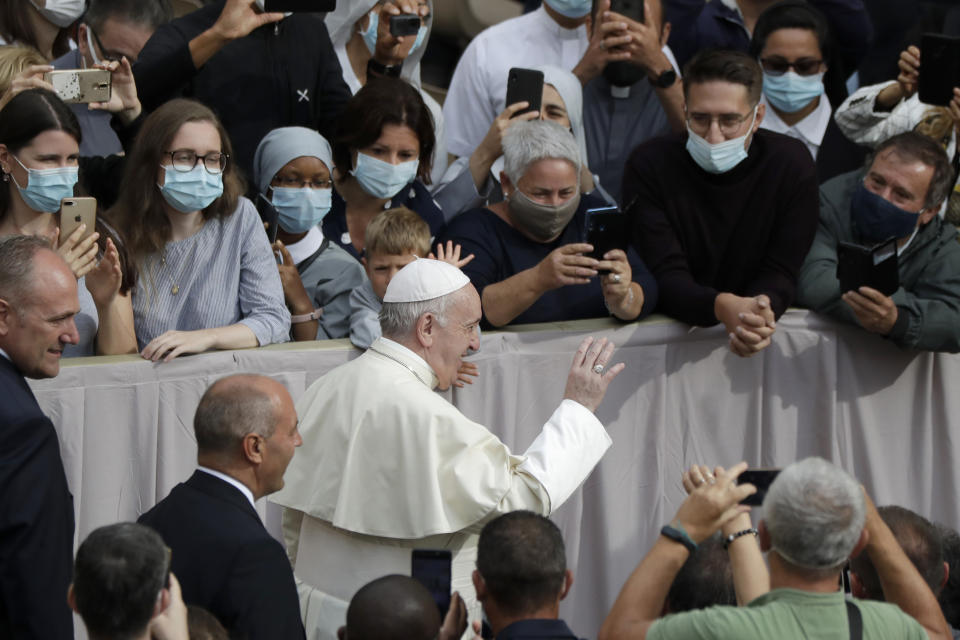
[(606, 229), (299, 6), (269, 217), (939, 68), (632, 9), (874, 267), (761, 479), (404, 25), (525, 85), (432, 568)]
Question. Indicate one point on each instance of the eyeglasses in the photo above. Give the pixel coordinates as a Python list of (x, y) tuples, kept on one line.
[(111, 56), (185, 160), (778, 66), (729, 123), (297, 183)]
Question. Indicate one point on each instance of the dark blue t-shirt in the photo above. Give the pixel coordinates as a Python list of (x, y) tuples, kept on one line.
[(501, 252), (414, 196)]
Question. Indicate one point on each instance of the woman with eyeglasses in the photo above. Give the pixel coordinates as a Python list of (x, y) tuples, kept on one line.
[(208, 279), (291, 169), (792, 42)]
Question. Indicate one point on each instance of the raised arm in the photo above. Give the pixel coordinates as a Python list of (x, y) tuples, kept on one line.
[(902, 584), (706, 509)]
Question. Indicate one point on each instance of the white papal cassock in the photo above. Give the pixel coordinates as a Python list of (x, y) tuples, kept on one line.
[(387, 465)]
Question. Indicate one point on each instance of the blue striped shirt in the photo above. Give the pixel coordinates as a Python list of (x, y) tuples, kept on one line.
[(224, 274)]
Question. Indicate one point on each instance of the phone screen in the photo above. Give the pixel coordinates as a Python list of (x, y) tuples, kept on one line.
[(761, 479), (432, 569)]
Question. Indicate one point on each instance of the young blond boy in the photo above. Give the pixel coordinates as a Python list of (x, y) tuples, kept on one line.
[(394, 239)]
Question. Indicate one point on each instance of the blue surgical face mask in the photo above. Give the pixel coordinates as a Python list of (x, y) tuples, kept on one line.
[(790, 92), (189, 191), (370, 34), (720, 157), (300, 210), (47, 187), (571, 8), (877, 219), (382, 179)]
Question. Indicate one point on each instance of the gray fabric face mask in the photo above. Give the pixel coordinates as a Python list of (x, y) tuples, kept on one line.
[(542, 222)]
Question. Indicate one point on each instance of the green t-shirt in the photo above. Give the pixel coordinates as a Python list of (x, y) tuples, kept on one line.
[(788, 614)]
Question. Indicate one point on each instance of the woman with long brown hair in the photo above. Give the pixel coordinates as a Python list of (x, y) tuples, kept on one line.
[(39, 159), (208, 279)]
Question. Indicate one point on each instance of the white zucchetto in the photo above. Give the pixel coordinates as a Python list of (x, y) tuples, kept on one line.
[(425, 279)]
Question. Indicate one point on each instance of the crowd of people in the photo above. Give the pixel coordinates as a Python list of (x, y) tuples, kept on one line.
[(262, 177)]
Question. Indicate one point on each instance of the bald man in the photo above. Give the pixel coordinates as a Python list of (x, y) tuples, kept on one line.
[(38, 301), (227, 563), (393, 607)]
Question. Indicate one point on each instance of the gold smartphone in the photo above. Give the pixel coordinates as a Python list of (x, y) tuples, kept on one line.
[(73, 213), (75, 86)]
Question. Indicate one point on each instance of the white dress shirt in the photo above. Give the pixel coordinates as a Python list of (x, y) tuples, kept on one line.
[(239, 485), (478, 90), (809, 131)]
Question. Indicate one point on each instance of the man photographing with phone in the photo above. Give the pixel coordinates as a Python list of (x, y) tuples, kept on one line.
[(816, 516), (256, 70), (631, 87), (898, 196)]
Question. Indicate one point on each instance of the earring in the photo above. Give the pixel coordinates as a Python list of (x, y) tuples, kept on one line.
[(6, 177)]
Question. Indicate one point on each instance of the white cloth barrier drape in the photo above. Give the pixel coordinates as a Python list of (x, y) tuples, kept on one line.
[(821, 388)]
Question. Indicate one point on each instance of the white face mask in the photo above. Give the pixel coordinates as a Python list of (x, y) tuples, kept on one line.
[(62, 13)]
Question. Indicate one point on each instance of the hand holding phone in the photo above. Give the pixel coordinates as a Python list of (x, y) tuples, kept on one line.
[(876, 267), (407, 24), (524, 85), (606, 229), (761, 479), (939, 68), (432, 568)]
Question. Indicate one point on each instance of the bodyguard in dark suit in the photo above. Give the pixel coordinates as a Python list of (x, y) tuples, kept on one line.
[(226, 561), (38, 300)]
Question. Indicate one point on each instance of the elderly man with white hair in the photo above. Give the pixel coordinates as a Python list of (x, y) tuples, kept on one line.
[(388, 465), (816, 516), (532, 262)]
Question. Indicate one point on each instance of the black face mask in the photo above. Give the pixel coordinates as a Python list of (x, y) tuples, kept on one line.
[(623, 74)]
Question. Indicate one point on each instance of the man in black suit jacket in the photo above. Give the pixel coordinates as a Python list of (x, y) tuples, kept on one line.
[(38, 300), (227, 562)]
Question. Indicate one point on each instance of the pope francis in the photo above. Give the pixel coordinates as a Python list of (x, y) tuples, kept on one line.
[(387, 465)]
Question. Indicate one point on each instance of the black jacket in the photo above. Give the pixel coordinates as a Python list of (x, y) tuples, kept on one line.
[(36, 518), (226, 561), (280, 75)]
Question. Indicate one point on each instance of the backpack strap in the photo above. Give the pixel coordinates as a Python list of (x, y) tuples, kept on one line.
[(854, 621)]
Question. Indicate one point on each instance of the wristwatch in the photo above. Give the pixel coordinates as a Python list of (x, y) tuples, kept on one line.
[(378, 69), (665, 80)]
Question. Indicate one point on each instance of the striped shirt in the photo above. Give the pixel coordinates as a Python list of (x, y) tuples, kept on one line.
[(224, 274)]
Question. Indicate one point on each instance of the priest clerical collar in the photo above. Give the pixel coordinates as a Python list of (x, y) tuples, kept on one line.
[(405, 357)]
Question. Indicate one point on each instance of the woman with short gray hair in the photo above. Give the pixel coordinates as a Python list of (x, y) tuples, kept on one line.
[(532, 263)]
